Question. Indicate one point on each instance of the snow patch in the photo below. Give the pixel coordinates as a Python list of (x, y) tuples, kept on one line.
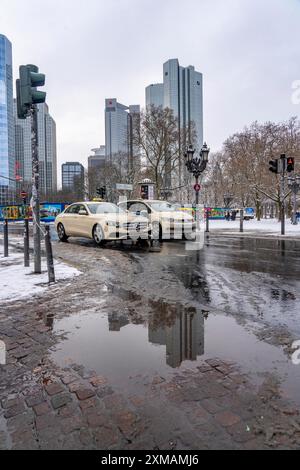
[(269, 226), (18, 282)]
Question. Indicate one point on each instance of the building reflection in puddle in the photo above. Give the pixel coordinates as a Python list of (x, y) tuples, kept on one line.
[(179, 329), (184, 338)]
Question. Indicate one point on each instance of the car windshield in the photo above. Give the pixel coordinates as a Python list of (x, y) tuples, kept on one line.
[(162, 206), (104, 208)]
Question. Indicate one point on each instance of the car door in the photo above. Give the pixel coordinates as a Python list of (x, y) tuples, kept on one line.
[(71, 220), (83, 222)]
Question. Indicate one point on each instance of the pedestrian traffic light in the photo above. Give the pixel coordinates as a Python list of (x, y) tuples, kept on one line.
[(27, 93), (273, 166), (290, 165)]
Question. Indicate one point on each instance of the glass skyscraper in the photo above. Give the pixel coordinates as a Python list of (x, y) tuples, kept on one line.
[(181, 91), (7, 140), (155, 95), (120, 121), (73, 175)]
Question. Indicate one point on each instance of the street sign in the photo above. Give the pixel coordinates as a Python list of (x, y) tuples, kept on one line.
[(197, 187), (23, 194), (124, 187)]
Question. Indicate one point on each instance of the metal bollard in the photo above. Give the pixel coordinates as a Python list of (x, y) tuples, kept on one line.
[(5, 230), (207, 221), (49, 254), (26, 244), (241, 220)]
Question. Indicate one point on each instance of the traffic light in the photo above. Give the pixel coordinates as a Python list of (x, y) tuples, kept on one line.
[(290, 165), (27, 93), (274, 168), (102, 192)]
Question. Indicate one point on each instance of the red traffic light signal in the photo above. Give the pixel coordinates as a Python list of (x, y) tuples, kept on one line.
[(290, 165)]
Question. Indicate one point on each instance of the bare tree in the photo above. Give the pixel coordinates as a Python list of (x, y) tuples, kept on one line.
[(157, 136), (242, 167)]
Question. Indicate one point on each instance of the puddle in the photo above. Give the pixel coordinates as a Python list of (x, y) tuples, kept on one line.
[(173, 339)]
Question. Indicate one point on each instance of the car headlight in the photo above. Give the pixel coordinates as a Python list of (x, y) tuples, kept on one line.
[(112, 223)]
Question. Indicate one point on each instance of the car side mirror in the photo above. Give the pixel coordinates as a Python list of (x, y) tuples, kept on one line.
[(82, 212)]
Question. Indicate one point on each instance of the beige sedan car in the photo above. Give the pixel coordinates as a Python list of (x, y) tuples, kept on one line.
[(165, 220), (101, 221)]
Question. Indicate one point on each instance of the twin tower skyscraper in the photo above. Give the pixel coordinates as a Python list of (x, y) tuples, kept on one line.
[(181, 91)]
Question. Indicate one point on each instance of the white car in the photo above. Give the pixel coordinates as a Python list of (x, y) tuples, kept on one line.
[(101, 221), (166, 221)]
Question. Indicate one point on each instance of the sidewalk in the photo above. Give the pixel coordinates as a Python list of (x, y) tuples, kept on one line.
[(266, 227)]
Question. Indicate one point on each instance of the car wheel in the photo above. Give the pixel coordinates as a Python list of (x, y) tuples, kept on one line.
[(156, 231), (98, 235), (62, 233)]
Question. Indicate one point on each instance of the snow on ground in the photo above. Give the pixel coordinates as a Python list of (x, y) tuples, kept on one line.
[(268, 226), (18, 282)]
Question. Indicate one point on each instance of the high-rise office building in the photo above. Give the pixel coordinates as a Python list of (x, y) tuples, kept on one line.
[(47, 149), (155, 95), (7, 139), (73, 178), (183, 93), (119, 123), (97, 160)]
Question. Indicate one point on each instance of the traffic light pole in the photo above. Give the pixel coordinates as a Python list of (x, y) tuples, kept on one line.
[(35, 191), (282, 196)]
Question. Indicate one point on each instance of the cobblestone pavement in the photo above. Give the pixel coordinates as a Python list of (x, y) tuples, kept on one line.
[(44, 406)]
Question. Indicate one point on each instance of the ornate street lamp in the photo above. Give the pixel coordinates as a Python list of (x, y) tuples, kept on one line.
[(196, 165)]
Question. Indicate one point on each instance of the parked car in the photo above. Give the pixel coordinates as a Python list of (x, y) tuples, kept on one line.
[(166, 221), (101, 221)]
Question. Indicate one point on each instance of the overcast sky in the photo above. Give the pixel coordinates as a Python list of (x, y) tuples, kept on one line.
[(247, 50)]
